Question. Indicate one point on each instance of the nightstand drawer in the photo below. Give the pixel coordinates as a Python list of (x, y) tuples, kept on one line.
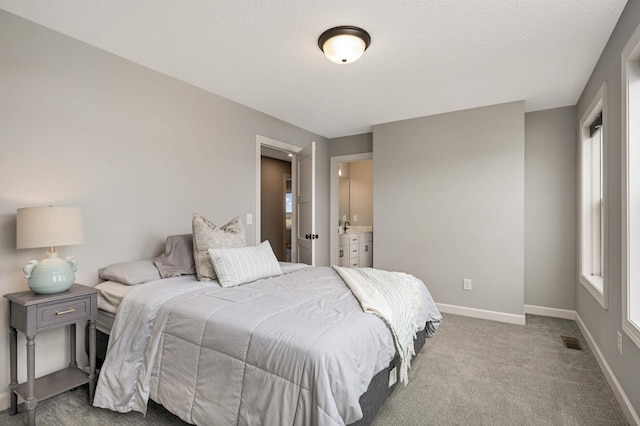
[(63, 312)]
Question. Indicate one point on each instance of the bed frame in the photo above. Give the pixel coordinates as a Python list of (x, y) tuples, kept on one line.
[(370, 401)]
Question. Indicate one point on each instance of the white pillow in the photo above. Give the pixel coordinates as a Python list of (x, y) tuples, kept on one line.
[(244, 264)]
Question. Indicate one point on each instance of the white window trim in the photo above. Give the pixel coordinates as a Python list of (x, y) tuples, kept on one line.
[(630, 134), (596, 286)]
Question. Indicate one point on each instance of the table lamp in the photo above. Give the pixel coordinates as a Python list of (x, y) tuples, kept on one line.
[(49, 227)]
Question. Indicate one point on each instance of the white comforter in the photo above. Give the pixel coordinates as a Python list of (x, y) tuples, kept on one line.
[(294, 349)]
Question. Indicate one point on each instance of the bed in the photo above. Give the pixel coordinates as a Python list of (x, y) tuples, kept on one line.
[(295, 348)]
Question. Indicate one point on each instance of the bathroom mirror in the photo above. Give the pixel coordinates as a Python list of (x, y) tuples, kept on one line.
[(343, 200)]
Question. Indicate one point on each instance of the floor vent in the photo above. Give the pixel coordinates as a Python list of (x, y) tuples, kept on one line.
[(571, 343)]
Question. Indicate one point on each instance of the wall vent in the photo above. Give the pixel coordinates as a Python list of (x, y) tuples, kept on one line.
[(571, 343)]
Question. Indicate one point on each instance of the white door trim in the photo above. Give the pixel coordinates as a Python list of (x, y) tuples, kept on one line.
[(283, 146), (334, 208)]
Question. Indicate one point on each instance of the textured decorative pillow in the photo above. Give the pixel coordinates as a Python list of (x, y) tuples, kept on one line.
[(242, 265), (177, 258), (207, 235), (131, 273)]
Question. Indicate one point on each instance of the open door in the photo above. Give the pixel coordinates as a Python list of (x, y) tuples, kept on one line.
[(305, 191)]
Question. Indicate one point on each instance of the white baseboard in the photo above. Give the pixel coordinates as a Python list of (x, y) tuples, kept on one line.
[(482, 314), (550, 312), (621, 396)]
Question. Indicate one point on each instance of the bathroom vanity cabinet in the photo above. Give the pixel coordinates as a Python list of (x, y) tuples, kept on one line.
[(356, 250)]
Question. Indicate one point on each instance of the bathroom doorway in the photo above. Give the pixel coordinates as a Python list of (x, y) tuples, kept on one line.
[(351, 202)]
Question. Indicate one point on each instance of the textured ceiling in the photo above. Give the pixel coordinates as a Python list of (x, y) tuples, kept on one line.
[(426, 56)]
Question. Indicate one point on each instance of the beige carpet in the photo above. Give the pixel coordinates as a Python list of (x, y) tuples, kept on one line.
[(477, 372)]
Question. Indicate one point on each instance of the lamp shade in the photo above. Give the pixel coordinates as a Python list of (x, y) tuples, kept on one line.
[(48, 227)]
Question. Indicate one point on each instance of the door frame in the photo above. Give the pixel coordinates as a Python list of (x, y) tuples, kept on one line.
[(281, 146), (285, 177), (334, 207)]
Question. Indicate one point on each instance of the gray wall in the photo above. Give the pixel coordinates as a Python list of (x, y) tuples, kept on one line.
[(456, 209), (604, 324), (550, 208), (137, 151), (355, 144)]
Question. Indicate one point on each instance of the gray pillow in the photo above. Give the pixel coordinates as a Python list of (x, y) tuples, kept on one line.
[(243, 265), (208, 235), (177, 258), (131, 273)]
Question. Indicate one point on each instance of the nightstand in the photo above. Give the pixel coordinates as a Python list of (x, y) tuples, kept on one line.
[(31, 313)]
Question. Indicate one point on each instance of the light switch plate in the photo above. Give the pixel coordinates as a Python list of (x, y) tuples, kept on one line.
[(466, 284), (619, 343)]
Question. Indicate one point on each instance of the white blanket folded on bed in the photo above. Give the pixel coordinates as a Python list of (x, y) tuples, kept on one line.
[(395, 298)]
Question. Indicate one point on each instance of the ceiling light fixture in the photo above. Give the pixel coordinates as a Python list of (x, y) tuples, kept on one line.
[(345, 44)]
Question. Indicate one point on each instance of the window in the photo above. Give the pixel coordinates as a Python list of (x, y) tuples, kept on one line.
[(631, 188), (592, 219)]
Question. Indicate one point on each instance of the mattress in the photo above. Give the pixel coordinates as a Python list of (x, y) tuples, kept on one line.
[(110, 295)]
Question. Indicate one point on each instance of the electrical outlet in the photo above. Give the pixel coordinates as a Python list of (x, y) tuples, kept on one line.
[(466, 284), (619, 343), (249, 219), (355, 217), (393, 376)]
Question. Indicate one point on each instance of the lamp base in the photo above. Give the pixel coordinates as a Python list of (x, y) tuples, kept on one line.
[(50, 275)]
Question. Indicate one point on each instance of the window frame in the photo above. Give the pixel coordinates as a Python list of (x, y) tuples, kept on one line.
[(630, 179), (592, 283)]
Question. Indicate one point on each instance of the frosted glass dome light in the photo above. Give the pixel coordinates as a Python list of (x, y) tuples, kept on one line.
[(344, 45)]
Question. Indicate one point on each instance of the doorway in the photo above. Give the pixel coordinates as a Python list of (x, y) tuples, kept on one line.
[(276, 201), (288, 228), (341, 214)]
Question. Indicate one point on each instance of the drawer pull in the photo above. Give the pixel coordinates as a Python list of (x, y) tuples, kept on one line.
[(66, 311)]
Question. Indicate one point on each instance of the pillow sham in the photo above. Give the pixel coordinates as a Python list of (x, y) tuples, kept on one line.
[(207, 235), (242, 265), (177, 258), (131, 273)]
